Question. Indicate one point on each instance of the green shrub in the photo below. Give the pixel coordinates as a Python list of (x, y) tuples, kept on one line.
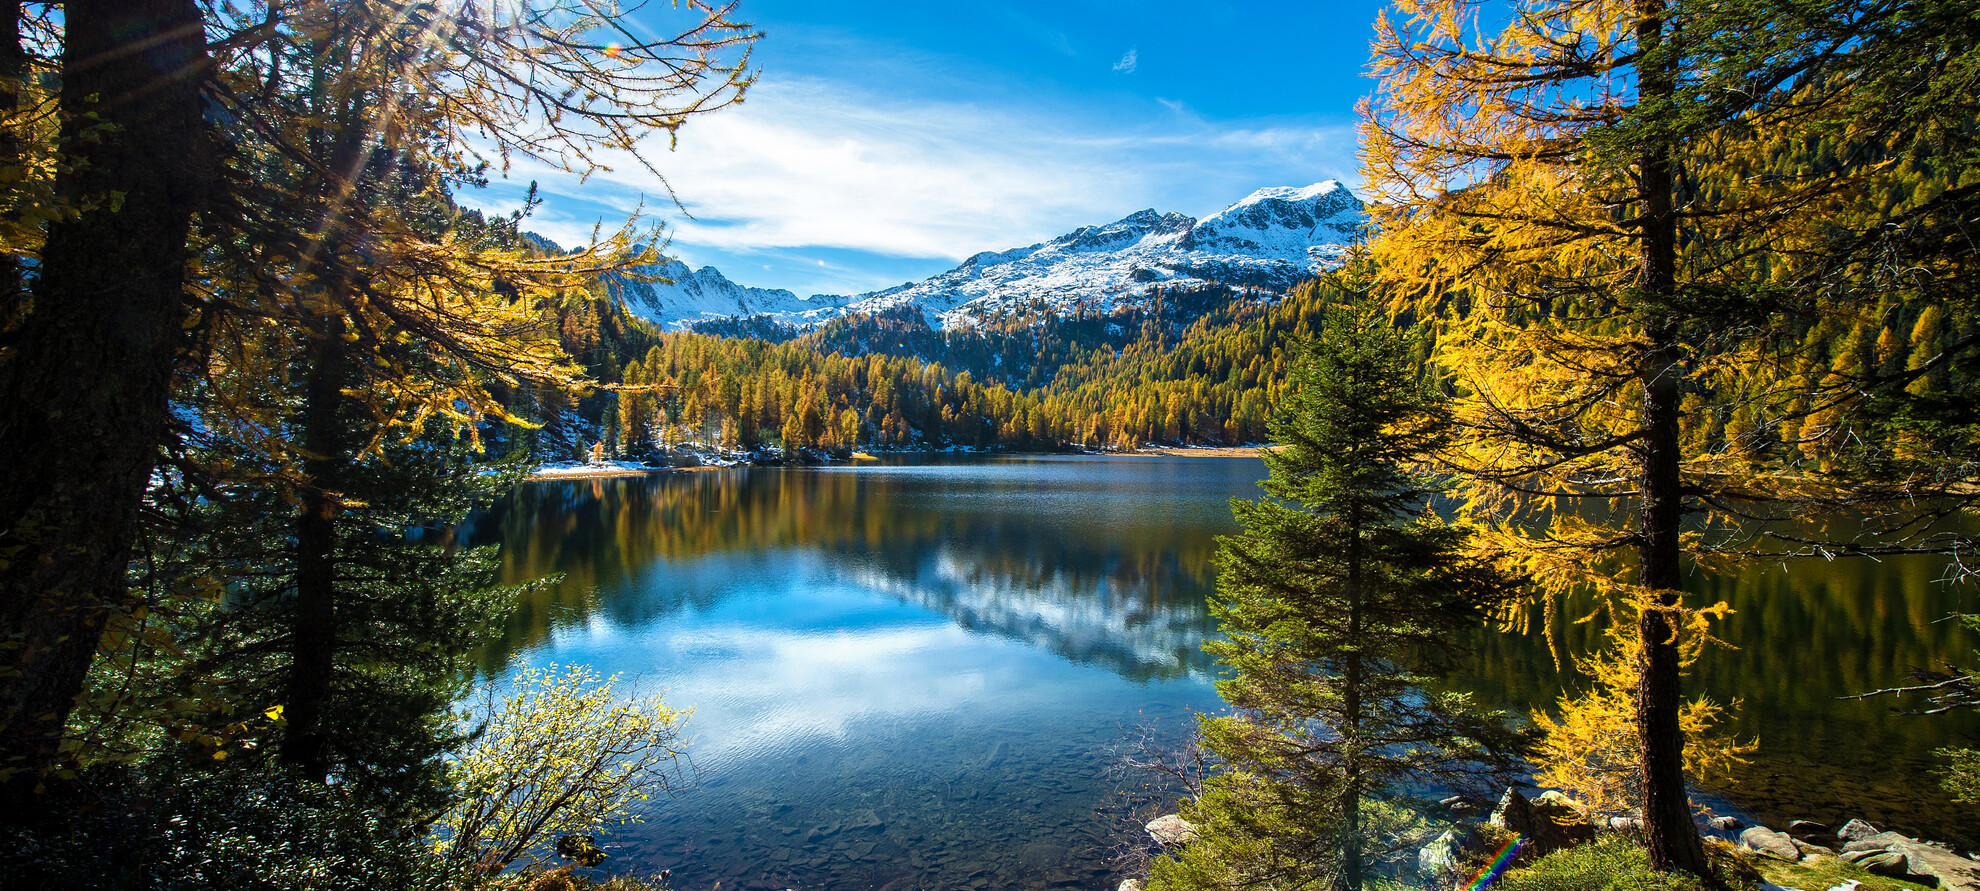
[(1612, 864)]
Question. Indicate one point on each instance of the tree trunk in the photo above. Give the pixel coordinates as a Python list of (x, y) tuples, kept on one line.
[(86, 386), (1669, 828), (1352, 678), (313, 635), (13, 69)]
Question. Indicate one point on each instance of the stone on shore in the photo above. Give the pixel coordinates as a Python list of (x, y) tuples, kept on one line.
[(1727, 824), (1171, 831), (1856, 829), (1771, 843), (1549, 825), (1129, 885), (1439, 855), (1900, 856)]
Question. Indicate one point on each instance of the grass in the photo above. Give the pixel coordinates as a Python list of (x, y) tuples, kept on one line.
[(1823, 873), (1610, 864), (1614, 863)]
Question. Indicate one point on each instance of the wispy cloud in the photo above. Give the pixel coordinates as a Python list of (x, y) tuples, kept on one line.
[(1128, 62), (814, 165)]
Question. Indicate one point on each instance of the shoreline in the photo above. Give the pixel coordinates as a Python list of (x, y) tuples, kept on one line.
[(552, 473), (1201, 451)]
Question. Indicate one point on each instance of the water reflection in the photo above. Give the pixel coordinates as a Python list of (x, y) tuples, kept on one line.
[(1099, 562), (1803, 634), (907, 675), (916, 673)]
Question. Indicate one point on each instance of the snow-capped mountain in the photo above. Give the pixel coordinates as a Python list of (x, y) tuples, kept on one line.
[(682, 298), (1270, 240)]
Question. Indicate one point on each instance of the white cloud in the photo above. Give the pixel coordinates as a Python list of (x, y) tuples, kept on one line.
[(811, 164), (1127, 63)]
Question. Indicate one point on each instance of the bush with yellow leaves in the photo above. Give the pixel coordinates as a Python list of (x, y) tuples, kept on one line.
[(563, 754)]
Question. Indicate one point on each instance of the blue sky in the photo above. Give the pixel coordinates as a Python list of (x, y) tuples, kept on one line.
[(885, 141)]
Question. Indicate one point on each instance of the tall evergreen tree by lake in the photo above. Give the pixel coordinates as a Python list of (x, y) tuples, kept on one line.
[(1342, 599)]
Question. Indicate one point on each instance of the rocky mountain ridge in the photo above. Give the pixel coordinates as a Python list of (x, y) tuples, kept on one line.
[(1269, 241)]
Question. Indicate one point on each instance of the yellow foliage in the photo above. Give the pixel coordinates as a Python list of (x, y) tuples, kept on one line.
[(1590, 750), (561, 754)]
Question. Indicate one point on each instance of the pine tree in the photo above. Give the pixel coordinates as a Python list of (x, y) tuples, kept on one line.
[(1342, 599)]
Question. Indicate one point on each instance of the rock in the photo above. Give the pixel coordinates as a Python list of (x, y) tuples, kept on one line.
[(1811, 849), (1932, 862), (1727, 824), (1806, 827), (1882, 841), (1883, 863), (1902, 857), (1458, 805), (1625, 824), (1549, 826), (1171, 831), (1437, 857), (1771, 843), (1555, 798), (1129, 885), (1856, 829)]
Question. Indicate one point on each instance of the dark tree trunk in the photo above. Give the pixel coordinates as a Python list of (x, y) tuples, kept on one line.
[(313, 636), (85, 388), (1352, 679), (1669, 828), (13, 69)]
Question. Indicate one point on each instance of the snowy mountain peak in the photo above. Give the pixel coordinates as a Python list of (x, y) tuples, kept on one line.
[(683, 297), (1271, 240), (1285, 222), (1292, 193)]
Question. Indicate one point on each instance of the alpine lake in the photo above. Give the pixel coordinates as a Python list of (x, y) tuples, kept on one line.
[(928, 671)]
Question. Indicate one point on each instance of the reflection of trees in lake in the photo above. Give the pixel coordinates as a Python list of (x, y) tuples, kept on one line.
[(1804, 634), (1128, 595), (1109, 574)]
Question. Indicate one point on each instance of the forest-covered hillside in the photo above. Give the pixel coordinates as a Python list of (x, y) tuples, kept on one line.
[(1196, 367)]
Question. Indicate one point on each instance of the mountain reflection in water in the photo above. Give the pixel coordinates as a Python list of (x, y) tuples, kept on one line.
[(917, 673), (1095, 565)]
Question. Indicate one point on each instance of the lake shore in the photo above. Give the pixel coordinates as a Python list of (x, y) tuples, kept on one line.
[(1203, 451), (611, 469)]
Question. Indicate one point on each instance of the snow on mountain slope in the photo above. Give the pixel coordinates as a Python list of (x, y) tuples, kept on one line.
[(1272, 239), (686, 297)]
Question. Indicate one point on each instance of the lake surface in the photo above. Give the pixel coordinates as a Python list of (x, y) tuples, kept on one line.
[(922, 673)]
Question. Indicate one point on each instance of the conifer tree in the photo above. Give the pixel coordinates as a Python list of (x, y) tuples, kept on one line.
[(1341, 600), (171, 128), (1644, 232)]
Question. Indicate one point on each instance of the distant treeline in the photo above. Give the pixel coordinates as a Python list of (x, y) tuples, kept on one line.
[(1196, 366)]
